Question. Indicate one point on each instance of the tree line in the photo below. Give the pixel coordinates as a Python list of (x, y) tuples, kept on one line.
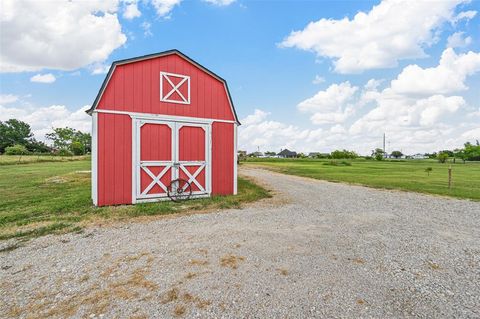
[(16, 138), (470, 152)]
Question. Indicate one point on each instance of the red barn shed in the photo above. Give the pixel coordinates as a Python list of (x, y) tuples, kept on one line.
[(157, 118)]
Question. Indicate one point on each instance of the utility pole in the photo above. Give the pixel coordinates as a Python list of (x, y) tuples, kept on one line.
[(383, 143)]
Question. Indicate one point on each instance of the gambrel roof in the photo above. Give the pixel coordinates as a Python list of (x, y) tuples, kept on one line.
[(287, 152), (153, 56)]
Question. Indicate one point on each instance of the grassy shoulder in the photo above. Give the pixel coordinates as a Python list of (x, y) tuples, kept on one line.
[(54, 197), (408, 175), (27, 159)]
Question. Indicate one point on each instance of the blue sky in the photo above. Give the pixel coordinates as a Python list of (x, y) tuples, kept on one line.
[(304, 75)]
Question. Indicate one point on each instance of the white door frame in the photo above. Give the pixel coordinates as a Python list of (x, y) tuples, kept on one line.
[(174, 164)]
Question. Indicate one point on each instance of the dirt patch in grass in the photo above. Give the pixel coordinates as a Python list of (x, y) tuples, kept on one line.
[(433, 265), (191, 275), (198, 262), (179, 310), (170, 295), (231, 261), (360, 301), (203, 251), (357, 260), (283, 271), (137, 280), (118, 284)]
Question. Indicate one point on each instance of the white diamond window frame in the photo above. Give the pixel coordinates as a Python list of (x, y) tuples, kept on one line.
[(165, 76)]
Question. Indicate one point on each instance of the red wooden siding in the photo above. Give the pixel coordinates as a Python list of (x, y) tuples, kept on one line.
[(135, 87), (156, 142), (191, 145), (155, 145), (222, 158), (114, 159)]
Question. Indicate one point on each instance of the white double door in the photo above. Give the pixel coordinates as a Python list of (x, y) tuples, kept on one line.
[(168, 150)]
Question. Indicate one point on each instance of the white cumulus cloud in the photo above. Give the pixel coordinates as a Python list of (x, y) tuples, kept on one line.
[(100, 68), (220, 2), (130, 10), (8, 98), (472, 135), (63, 35), (257, 117), (458, 40), (436, 106), (164, 7), (43, 119), (448, 77), (318, 79), (43, 78), (330, 105), (258, 132), (147, 29), (464, 15), (393, 30)]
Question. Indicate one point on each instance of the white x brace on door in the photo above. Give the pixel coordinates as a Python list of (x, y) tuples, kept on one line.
[(167, 150)]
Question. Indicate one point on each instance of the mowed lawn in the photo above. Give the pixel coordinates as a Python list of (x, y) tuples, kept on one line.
[(404, 175), (22, 159), (54, 197)]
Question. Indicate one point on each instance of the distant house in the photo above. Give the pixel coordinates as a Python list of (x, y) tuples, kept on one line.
[(391, 156), (256, 154), (418, 156), (287, 154)]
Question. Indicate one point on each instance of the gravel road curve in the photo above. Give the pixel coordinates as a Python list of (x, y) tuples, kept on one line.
[(317, 249)]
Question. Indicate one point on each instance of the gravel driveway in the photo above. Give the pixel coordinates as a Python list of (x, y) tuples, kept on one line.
[(317, 249)]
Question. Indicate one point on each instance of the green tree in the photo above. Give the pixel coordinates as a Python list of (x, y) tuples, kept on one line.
[(472, 151), (38, 147), (322, 155), (16, 149), (397, 154), (85, 139), (61, 137), (448, 152), (66, 138), (442, 157), (428, 170), (378, 154), (431, 155), (77, 148), (459, 153), (14, 132), (343, 154)]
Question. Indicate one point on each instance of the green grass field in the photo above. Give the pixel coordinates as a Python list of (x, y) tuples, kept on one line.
[(404, 175), (54, 197), (23, 159)]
